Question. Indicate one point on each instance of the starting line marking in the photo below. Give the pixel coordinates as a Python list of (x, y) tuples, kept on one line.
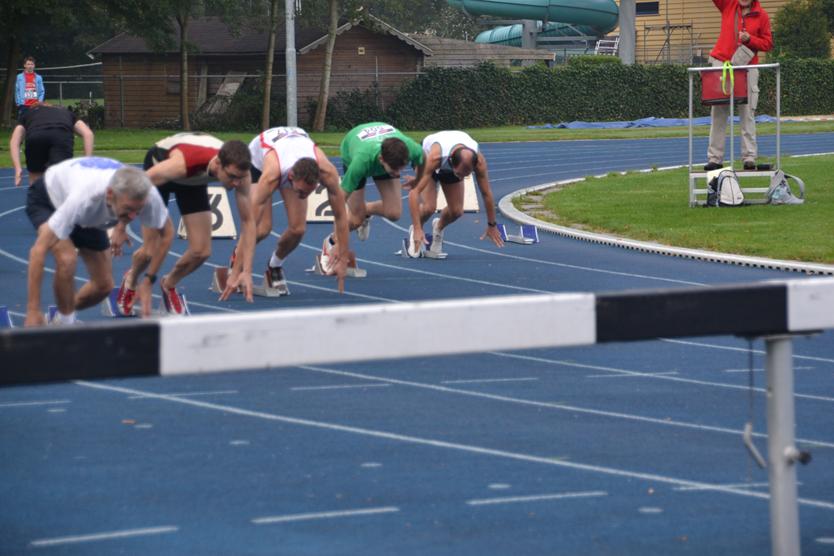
[(324, 515), (535, 498), (186, 394), (22, 404), (480, 380), (340, 386), (105, 536)]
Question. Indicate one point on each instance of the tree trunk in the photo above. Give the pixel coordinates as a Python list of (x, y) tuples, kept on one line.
[(270, 58), (184, 119), (12, 58), (324, 88)]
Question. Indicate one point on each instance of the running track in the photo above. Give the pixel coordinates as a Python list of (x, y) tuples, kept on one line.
[(613, 449)]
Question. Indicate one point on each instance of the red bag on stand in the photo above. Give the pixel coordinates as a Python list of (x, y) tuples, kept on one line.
[(716, 86)]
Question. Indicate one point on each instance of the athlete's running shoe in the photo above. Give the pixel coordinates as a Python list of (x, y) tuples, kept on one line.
[(325, 257), (126, 297), (172, 301), (363, 232), (436, 237), (275, 278)]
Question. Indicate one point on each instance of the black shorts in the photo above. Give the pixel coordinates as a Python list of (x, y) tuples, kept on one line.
[(445, 177), (256, 174), (46, 147), (363, 182), (39, 208), (190, 198)]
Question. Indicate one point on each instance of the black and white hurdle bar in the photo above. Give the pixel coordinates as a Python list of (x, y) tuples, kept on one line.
[(774, 310)]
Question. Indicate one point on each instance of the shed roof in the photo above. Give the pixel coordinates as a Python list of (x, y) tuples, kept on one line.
[(212, 36)]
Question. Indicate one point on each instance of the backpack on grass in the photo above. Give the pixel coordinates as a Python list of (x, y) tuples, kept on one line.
[(779, 192), (724, 190)]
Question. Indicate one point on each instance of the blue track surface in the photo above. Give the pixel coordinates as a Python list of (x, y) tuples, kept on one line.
[(614, 449)]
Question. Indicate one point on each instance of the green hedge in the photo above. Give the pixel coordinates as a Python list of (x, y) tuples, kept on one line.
[(587, 89), (592, 88)]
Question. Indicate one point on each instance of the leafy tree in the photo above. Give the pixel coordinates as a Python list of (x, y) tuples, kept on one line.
[(324, 86), (801, 30), (20, 20), (270, 58)]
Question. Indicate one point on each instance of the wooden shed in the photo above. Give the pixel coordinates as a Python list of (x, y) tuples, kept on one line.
[(142, 86)]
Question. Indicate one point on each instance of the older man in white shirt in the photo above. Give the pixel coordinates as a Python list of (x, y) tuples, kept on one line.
[(71, 207)]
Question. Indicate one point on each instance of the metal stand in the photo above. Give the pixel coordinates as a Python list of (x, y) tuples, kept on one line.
[(693, 175), (782, 454)]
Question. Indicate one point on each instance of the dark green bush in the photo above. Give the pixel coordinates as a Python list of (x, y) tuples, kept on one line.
[(91, 112), (346, 109)]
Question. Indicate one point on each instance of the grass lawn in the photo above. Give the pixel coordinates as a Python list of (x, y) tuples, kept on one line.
[(654, 206)]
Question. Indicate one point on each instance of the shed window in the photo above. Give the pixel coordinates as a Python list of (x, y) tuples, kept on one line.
[(648, 8)]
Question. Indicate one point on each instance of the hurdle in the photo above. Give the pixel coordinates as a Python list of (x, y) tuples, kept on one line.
[(221, 275), (527, 234)]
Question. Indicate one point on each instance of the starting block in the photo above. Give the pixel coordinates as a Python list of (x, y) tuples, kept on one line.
[(109, 307), (353, 270), (527, 234), (5, 317), (221, 275), (408, 253)]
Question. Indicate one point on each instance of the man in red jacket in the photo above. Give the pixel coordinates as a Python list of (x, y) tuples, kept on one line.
[(743, 23)]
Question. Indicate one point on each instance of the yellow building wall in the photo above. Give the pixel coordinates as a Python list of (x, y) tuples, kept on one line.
[(692, 30)]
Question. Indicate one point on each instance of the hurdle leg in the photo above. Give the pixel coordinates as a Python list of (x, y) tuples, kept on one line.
[(782, 454)]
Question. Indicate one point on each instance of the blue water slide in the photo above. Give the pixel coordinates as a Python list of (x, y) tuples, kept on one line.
[(563, 18)]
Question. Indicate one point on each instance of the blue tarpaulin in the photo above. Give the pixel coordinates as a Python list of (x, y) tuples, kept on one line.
[(644, 122)]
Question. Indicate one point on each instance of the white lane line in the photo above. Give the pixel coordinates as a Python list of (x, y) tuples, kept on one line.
[(435, 274), (84, 280), (650, 510), (105, 536), (551, 263), (758, 370), (734, 485), (292, 282), (24, 404), (487, 380), (662, 377), (186, 394), (535, 498), (339, 386), (557, 406), (324, 515), (467, 448), (744, 349), (662, 373)]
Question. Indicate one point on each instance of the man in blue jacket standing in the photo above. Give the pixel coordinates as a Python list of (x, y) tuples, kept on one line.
[(28, 89)]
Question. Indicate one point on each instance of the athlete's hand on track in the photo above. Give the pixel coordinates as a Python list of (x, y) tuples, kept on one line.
[(18, 177), (238, 280), (493, 234), (118, 238)]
